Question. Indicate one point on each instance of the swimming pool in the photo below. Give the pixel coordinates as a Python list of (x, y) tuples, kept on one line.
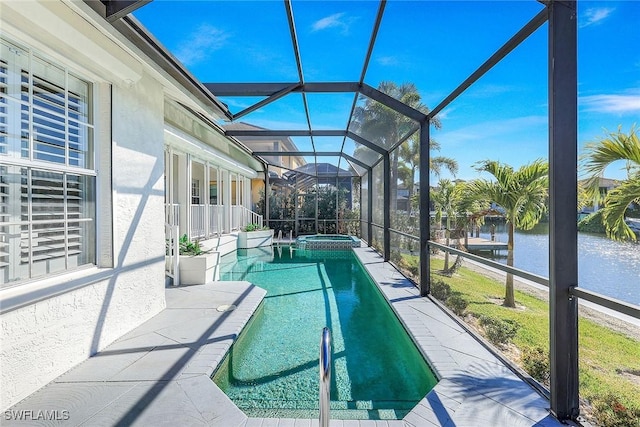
[(272, 370)]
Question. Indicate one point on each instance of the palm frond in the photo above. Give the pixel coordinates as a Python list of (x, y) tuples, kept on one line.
[(440, 161), (615, 204), (617, 146), (522, 193)]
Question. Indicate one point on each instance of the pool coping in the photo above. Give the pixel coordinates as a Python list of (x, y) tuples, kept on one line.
[(160, 373)]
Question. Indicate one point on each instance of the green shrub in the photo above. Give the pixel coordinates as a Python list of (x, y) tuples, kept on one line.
[(536, 362), (412, 265), (499, 331), (611, 413), (406, 263), (254, 227), (414, 270), (398, 259), (189, 248), (440, 290), (457, 304)]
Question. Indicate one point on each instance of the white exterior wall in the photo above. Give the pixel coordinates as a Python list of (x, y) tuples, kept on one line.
[(48, 335)]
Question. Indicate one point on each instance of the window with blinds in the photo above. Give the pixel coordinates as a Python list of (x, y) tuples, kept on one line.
[(47, 176)]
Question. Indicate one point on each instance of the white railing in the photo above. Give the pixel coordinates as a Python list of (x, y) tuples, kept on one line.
[(242, 216), (198, 222), (208, 220), (172, 252), (236, 217), (215, 219)]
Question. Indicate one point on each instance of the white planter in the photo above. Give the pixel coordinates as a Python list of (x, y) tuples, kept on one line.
[(254, 239), (199, 269)]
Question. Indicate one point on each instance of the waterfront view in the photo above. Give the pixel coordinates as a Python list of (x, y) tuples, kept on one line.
[(605, 266)]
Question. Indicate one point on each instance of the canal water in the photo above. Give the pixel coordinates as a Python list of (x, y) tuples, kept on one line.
[(605, 266)]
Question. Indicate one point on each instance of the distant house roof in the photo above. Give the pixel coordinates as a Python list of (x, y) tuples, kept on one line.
[(288, 144), (321, 170), (604, 182)]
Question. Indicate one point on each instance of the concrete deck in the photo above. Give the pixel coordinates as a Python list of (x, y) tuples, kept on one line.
[(159, 374)]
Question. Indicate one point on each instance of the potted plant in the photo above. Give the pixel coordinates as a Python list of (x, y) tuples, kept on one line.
[(196, 265), (254, 236)]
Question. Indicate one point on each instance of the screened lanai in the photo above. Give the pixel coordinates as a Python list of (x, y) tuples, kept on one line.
[(333, 83)]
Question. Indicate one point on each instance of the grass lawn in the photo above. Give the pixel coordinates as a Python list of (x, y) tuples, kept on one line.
[(609, 361)]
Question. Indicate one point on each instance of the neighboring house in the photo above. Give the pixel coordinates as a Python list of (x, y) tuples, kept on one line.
[(402, 203), (99, 130), (278, 164)]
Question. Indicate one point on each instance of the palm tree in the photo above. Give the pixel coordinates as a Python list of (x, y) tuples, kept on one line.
[(472, 210), (598, 156), (445, 199), (384, 126), (521, 193), (409, 154)]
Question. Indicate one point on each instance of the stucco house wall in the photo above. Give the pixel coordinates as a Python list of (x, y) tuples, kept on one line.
[(49, 324)]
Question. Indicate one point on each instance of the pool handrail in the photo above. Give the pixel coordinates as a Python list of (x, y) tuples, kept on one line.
[(325, 376)]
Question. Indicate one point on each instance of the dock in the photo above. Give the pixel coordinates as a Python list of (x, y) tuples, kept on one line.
[(479, 244)]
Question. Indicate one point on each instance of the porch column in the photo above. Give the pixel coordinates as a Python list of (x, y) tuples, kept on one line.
[(205, 195), (295, 206), (226, 199), (184, 195), (267, 193), (425, 271), (168, 188), (563, 234)]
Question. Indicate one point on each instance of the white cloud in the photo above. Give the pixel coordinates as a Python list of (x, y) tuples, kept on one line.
[(594, 15), (387, 60), (337, 20), (444, 114), (609, 103), (200, 43)]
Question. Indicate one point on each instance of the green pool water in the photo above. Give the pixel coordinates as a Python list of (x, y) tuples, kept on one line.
[(272, 370)]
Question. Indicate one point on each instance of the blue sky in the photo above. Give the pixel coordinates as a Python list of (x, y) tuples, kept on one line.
[(434, 45)]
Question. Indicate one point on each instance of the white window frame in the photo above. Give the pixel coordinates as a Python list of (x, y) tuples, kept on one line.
[(17, 107)]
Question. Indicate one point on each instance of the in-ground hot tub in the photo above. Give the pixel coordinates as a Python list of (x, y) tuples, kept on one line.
[(327, 241)]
